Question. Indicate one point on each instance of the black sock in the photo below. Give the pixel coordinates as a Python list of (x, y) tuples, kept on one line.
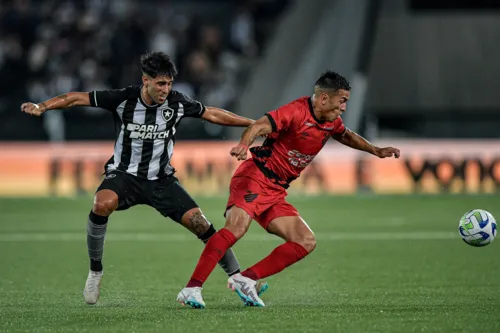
[(209, 233), (98, 219), (95, 265)]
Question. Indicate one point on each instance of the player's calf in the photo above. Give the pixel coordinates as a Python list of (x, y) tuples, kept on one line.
[(237, 221), (197, 223), (96, 232), (228, 262), (217, 246), (300, 241), (105, 202)]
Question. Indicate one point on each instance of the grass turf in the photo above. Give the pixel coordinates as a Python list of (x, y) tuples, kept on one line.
[(382, 264)]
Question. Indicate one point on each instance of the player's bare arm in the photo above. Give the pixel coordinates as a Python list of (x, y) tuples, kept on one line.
[(261, 127), (59, 102), (225, 118), (356, 141)]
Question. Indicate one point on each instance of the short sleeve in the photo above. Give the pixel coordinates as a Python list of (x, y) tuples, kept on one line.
[(192, 108), (282, 118), (338, 127), (108, 99)]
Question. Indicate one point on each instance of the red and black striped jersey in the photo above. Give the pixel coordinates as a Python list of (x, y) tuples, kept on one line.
[(297, 137)]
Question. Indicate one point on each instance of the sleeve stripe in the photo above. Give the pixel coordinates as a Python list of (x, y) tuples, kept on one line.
[(271, 120), (91, 100), (95, 98), (203, 109)]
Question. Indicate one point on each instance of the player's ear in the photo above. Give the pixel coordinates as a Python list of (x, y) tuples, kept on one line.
[(145, 79), (324, 98)]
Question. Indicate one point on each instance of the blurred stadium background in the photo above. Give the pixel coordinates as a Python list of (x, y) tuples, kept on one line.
[(424, 76), (425, 79)]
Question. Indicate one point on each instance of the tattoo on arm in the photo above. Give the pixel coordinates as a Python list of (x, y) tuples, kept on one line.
[(62, 101), (225, 118)]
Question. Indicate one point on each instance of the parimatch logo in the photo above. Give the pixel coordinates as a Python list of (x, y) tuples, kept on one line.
[(146, 132)]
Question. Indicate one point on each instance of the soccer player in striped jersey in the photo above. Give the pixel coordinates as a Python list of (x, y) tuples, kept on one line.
[(139, 172)]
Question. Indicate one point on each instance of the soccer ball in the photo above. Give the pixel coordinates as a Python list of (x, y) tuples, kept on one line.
[(477, 227)]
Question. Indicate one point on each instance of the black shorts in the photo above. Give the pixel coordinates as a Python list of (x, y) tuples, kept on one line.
[(165, 195)]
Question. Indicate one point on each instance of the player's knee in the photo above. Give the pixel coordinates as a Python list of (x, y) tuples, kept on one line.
[(237, 230), (308, 242), (237, 226), (237, 222), (104, 206)]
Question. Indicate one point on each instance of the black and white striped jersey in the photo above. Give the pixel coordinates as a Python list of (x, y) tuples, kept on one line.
[(145, 133)]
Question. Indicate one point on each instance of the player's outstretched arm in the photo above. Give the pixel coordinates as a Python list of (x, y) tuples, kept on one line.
[(356, 141), (225, 118), (59, 102), (261, 127)]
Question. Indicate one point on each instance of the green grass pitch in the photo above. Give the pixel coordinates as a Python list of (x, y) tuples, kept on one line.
[(382, 264)]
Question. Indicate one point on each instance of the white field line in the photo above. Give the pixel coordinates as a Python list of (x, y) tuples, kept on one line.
[(176, 237)]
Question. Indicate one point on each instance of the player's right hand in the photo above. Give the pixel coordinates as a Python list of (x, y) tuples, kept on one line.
[(32, 109), (240, 152)]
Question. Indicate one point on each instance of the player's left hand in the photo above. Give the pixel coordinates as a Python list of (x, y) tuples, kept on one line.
[(387, 152), (240, 152)]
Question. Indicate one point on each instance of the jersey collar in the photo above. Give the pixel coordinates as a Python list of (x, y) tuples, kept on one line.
[(309, 101)]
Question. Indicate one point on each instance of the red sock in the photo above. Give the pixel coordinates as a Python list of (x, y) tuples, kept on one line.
[(214, 250), (281, 257)]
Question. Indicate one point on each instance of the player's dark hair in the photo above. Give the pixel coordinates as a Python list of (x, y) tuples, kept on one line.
[(158, 64), (332, 81)]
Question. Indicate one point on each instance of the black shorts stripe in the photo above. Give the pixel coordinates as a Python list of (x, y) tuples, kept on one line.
[(147, 145)]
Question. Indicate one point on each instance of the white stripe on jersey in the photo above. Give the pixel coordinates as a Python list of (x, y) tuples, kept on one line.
[(120, 108), (170, 148), (159, 144), (118, 150), (119, 142)]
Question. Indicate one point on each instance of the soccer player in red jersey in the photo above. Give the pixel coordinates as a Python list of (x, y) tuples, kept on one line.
[(296, 132)]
